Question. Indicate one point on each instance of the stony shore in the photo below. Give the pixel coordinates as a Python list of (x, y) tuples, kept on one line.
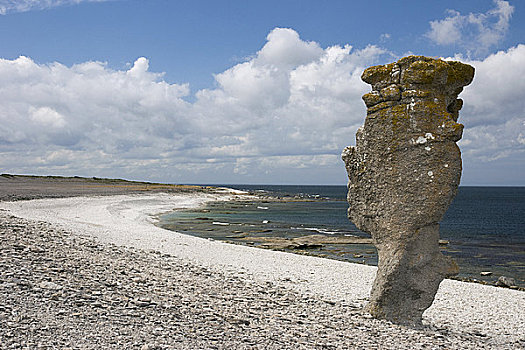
[(61, 290), (93, 273)]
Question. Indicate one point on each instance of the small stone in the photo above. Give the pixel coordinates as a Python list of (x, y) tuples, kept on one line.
[(142, 303), (485, 273), (49, 285), (504, 281), (96, 304)]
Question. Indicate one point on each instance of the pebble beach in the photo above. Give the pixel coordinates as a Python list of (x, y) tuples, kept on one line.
[(92, 272)]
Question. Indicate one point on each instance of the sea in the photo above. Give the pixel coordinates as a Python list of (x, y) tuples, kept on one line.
[(484, 227)]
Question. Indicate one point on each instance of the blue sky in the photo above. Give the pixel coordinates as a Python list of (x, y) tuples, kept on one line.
[(240, 91)]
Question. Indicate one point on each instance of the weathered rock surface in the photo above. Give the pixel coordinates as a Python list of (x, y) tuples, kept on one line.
[(403, 174)]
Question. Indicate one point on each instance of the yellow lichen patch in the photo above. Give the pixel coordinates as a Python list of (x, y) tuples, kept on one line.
[(405, 61), (452, 130), (372, 98), (461, 74), (397, 120), (415, 93), (375, 74), (421, 117), (391, 93), (432, 109), (380, 106), (400, 119), (425, 72)]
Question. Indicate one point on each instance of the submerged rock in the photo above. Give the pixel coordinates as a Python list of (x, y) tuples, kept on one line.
[(403, 174), (306, 242), (504, 281)]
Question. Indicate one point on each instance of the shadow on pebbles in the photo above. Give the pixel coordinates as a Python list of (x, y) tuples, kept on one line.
[(61, 290)]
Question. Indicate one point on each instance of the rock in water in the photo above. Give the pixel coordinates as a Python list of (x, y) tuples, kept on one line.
[(403, 174), (504, 281)]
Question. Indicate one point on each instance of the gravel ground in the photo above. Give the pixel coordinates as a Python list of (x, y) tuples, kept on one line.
[(94, 272), (59, 289)]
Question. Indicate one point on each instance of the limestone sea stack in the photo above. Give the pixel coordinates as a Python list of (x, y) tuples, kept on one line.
[(403, 174)]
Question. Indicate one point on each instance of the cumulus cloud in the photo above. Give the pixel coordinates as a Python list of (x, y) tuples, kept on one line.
[(284, 115), (12, 6), (447, 31), (494, 111), (285, 48), (51, 109), (476, 32), (291, 100), (47, 117)]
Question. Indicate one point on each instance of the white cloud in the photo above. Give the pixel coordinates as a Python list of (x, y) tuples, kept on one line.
[(494, 111), (86, 106), (292, 99), (384, 37), (47, 117), (447, 31), (284, 48), (273, 118), (476, 32), (12, 6)]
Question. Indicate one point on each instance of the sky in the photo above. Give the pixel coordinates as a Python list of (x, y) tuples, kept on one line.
[(241, 92)]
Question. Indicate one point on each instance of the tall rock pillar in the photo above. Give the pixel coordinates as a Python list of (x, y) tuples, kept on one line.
[(403, 174)]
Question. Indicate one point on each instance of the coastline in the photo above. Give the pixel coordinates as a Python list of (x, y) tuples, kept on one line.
[(302, 225), (473, 315)]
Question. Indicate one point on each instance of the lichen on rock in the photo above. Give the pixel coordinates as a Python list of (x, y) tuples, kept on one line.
[(403, 174)]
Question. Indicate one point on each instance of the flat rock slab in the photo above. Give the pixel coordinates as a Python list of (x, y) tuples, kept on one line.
[(306, 242)]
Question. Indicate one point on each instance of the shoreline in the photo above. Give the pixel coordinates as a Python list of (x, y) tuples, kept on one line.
[(460, 308), (242, 231)]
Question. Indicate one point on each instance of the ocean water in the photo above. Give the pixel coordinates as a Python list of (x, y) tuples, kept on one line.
[(485, 226)]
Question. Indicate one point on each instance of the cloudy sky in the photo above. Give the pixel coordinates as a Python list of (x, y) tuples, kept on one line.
[(236, 91)]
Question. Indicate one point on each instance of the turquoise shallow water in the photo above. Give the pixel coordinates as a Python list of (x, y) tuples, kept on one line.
[(485, 226)]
